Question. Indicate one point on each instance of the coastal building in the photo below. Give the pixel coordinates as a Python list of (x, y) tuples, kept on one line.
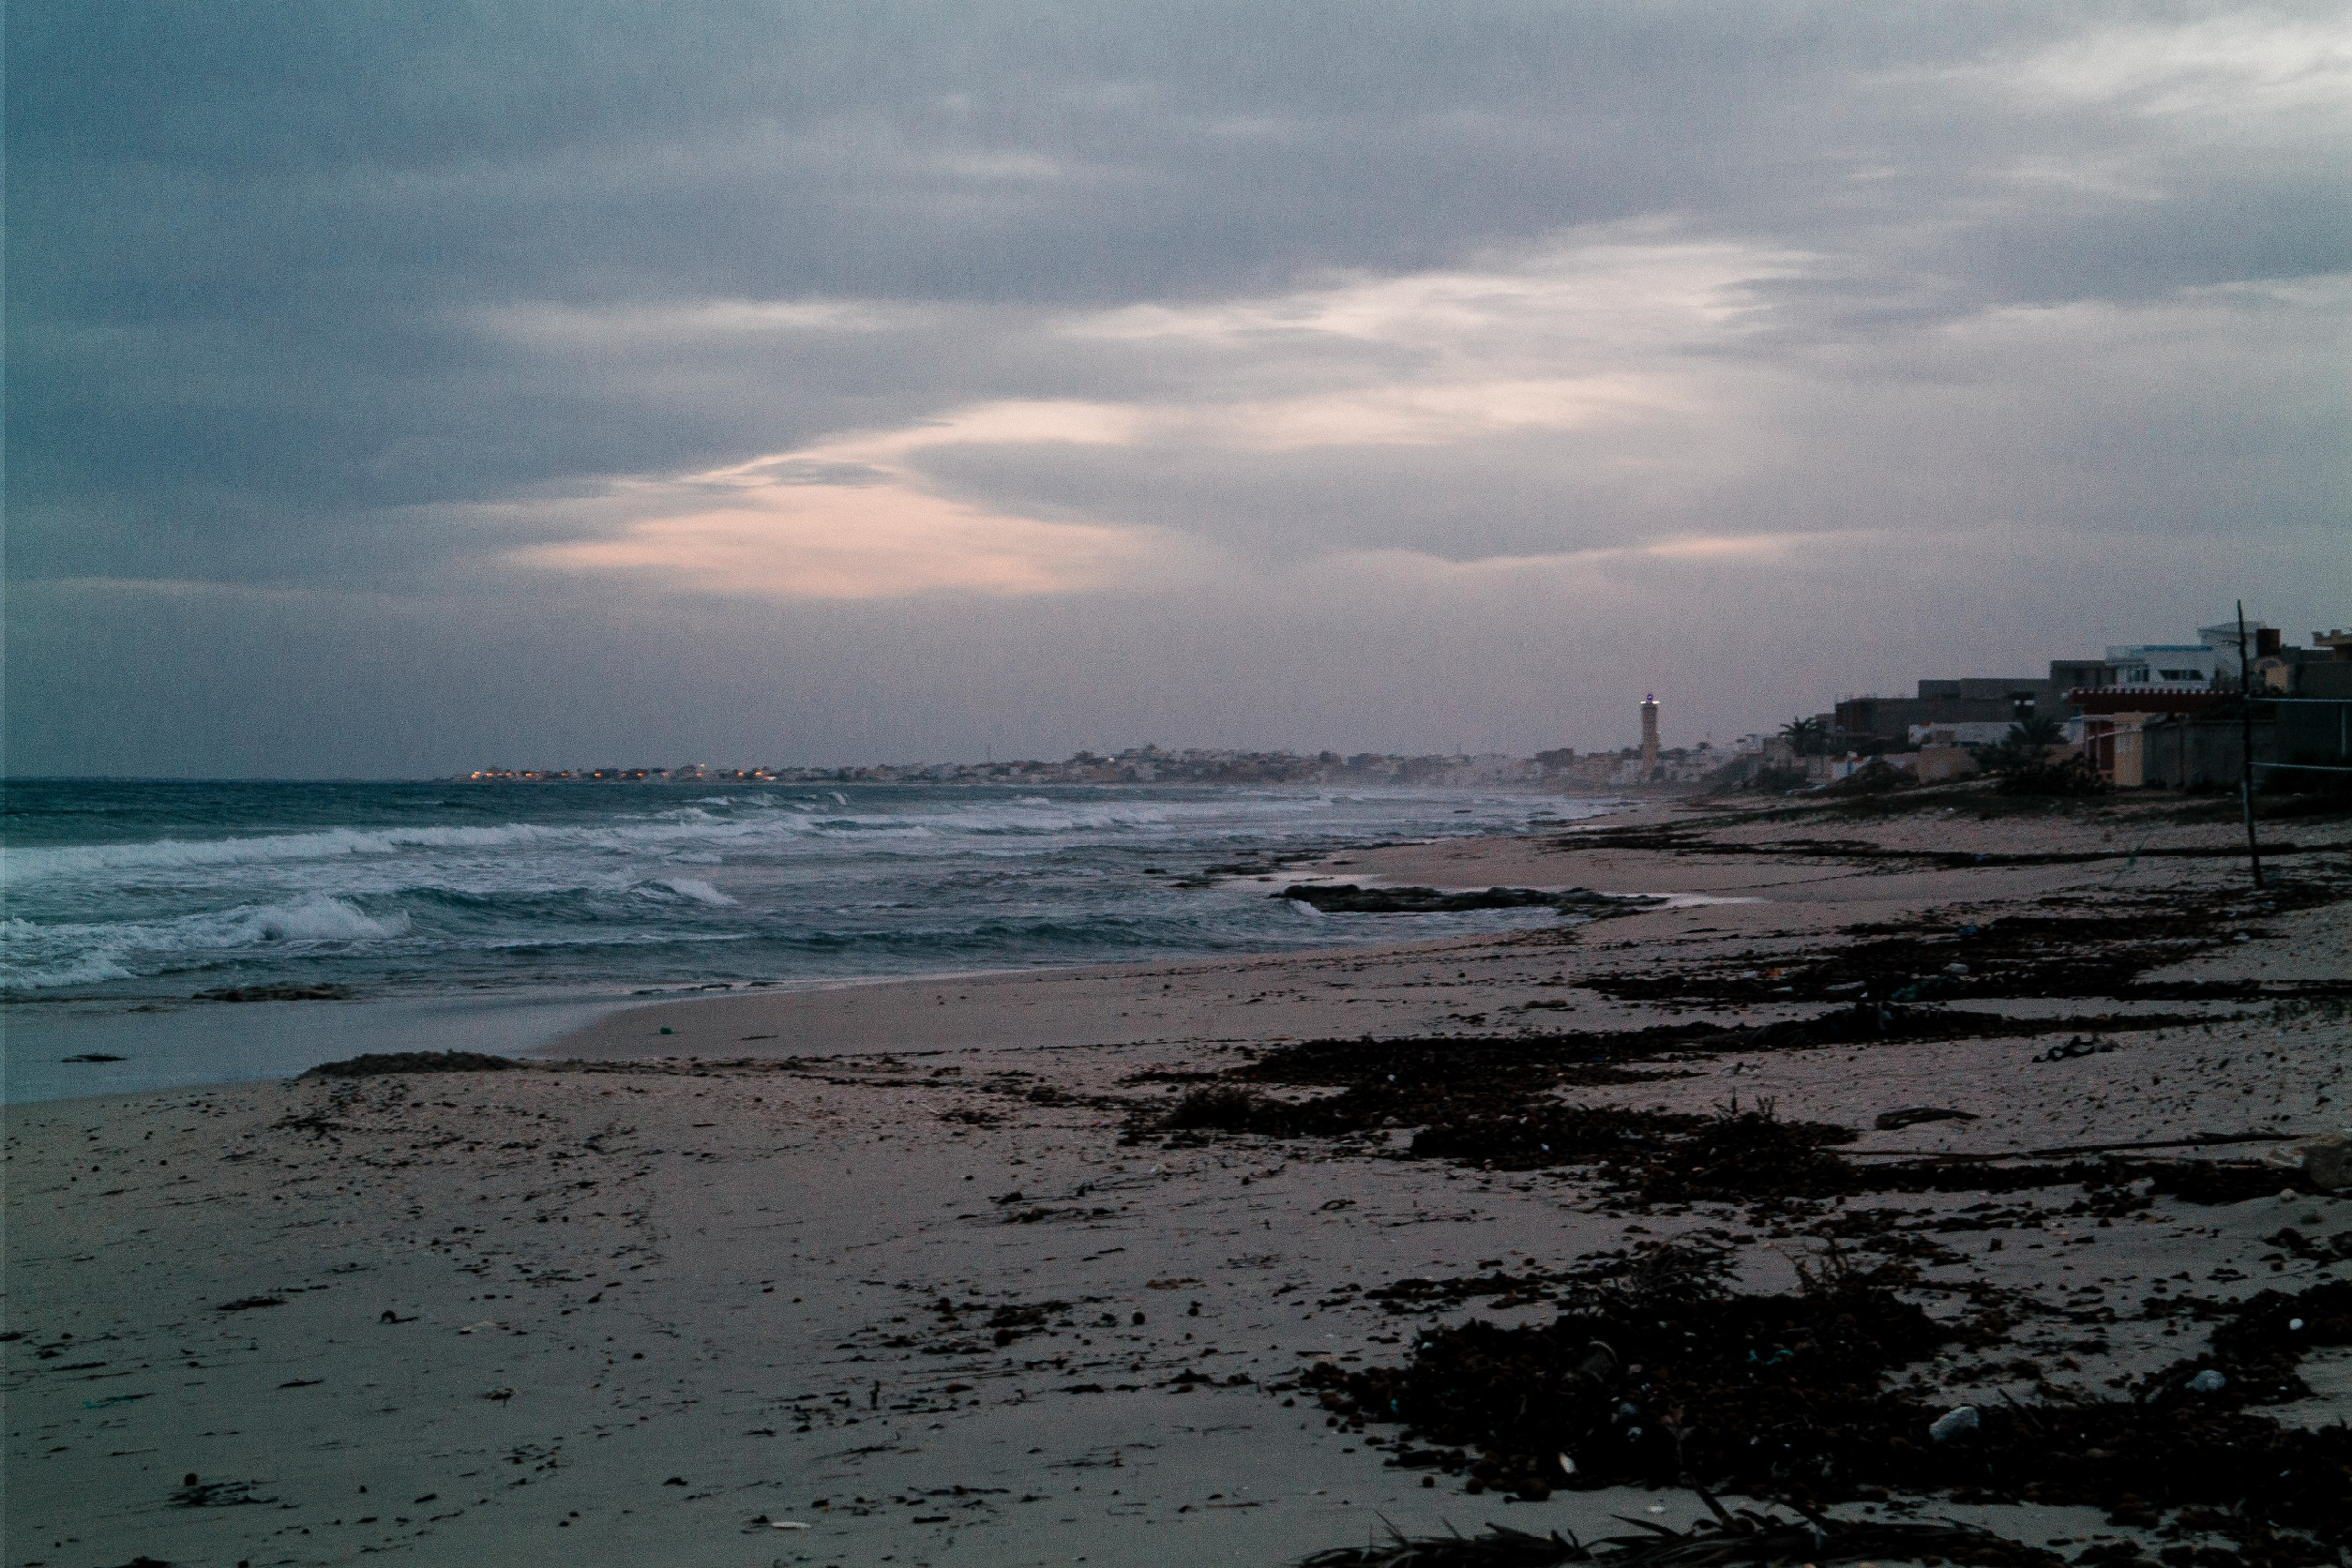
[(1876, 723), (2210, 660), (2165, 666), (2078, 674), (1970, 710), (1649, 737), (2324, 669)]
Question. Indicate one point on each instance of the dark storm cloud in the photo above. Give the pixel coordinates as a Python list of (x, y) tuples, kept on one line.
[(366, 297)]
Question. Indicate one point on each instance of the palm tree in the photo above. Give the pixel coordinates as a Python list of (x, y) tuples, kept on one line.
[(1806, 737), (2035, 732), (2026, 746)]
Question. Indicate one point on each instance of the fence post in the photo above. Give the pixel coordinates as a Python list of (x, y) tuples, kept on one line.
[(2245, 745)]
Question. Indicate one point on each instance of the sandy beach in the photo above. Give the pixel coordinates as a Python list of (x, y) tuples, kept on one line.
[(937, 1271)]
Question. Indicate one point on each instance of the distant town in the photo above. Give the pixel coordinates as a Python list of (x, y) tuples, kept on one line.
[(1142, 764), (2145, 714)]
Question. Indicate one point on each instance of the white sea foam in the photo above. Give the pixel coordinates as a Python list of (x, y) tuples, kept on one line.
[(698, 890), (120, 862), (42, 956), (313, 918), (668, 833), (817, 883), (33, 958), (605, 939)]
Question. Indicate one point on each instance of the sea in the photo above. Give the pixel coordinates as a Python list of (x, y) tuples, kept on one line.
[(162, 934)]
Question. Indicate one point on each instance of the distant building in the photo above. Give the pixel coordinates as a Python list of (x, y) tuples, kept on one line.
[(1879, 723), (2323, 670), (1649, 737), (1972, 732), (2165, 666), (2210, 660)]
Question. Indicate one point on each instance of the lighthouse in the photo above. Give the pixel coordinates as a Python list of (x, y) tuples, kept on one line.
[(1649, 738)]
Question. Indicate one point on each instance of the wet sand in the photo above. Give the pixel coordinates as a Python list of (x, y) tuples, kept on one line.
[(872, 1275)]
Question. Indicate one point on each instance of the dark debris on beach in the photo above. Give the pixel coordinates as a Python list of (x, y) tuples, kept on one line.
[(1493, 1103), (1732, 1536), (279, 992), (1350, 898), (2073, 947), (414, 1062), (1503, 1102), (1654, 1373)]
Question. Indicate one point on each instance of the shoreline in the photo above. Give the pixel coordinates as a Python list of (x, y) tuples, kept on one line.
[(933, 1273), (270, 1038), (139, 1047), (1096, 1002)]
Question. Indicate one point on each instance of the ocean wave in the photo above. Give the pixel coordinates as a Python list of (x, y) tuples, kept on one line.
[(815, 884), (696, 889), (314, 917), (31, 964), (42, 956), (167, 854), (670, 832), (564, 892), (594, 940)]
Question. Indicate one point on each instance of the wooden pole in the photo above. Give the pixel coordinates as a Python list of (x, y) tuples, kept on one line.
[(2245, 745)]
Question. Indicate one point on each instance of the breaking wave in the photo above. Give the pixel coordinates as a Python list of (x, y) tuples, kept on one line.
[(132, 890), (667, 834), (698, 890), (42, 956)]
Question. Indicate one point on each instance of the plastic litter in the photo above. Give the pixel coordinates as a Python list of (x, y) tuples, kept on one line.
[(1952, 1423), (2208, 1381)]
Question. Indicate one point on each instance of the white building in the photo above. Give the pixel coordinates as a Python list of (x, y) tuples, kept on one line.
[(2175, 665), (2223, 640)]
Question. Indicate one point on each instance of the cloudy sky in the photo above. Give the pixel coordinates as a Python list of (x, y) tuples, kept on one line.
[(397, 388)]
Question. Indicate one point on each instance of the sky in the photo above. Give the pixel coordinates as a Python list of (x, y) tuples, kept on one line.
[(398, 389)]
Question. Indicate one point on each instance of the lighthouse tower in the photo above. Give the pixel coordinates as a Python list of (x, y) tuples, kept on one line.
[(1649, 738)]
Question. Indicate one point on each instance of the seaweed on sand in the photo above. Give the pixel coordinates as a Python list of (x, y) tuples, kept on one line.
[(1492, 1103), (1452, 1080), (1348, 898), (1659, 1374), (1732, 1536), (414, 1062), (2051, 953)]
